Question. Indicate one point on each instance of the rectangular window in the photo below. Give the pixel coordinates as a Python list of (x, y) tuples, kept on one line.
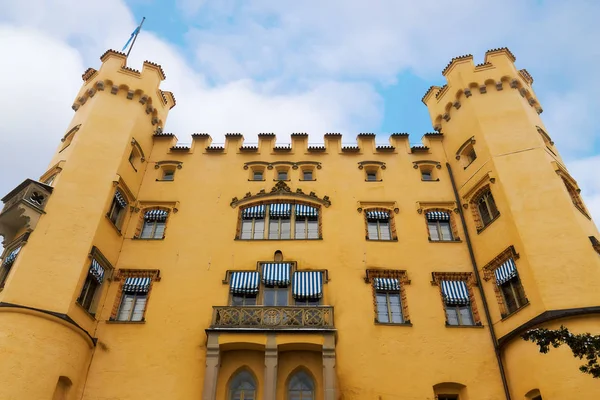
[(257, 175), (306, 228), (253, 228), (153, 230), (117, 209), (132, 307), (91, 287), (513, 294), (282, 175), (243, 300), (379, 230), (389, 309), (275, 296), (459, 315), (168, 175), (279, 228), (439, 230), (307, 175), (426, 175), (371, 176)]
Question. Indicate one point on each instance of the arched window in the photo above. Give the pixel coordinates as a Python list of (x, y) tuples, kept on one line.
[(301, 387), (242, 387)]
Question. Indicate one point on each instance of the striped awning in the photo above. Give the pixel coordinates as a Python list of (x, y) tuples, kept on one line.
[(280, 210), (455, 292), (306, 211), (137, 285), (120, 199), (276, 274), (387, 284), (505, 272), (11, 257), (156, 215), (438, 216), (378, 215), (244, 282), (254, 212), (96, 271), (307, 285)]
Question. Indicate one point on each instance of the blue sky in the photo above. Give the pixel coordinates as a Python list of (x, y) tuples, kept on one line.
[(255, 66)]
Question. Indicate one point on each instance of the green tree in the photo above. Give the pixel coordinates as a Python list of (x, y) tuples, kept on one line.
[(582, 345)]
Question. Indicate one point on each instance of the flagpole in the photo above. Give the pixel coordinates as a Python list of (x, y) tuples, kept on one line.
[(136, 35)]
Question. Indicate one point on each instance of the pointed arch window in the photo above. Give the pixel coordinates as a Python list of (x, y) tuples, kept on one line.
[(301, 387), (242, 387)]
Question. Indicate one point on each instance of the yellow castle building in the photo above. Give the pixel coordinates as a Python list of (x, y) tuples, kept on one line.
[(136, 268)]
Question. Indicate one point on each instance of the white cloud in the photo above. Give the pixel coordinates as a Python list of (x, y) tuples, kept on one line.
[(291, 66)]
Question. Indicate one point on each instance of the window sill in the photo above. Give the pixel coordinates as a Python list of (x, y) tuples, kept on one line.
[(376, 180), (307, 180), (430, 180), (479, 326), (256, 180), (114, 321), (469, 164), (282, 180), (113, 225), (445, 241), (408, 323), (165, 180), (89, 314), (380, 240), (505, 317), (139, 238), (479, 230), (274, 240)]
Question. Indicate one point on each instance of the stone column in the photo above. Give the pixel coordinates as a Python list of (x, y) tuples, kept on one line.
[(329, 390), (270, 368), (209, 392)]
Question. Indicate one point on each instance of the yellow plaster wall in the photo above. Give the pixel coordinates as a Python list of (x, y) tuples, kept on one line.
[(290, 362), (165, 356)]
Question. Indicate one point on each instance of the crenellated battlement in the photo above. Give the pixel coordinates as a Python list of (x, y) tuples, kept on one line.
[(298, 143), (116, 78), (465, 79)]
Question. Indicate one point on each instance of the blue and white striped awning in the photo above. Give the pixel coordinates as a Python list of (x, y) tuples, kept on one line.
[(280, 210), (11, 257), (307, 285), (254, 212), (96, 271), (120, 199), (276, 274), (306, 211), (137, 285), (438, 216), (505, 272), (244, 282), (156, 215), (378, 215), (455, 292), (387, 284)]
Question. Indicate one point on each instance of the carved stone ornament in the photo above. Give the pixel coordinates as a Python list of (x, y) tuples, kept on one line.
[(280, 188)]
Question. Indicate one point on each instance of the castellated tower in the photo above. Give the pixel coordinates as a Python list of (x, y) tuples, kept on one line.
[(137, 268), (59, 230), (496, 143)]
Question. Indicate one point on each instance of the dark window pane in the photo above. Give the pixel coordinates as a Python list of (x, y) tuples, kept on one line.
[(371, 176), (282, 175), (168, 175), (282, 296), (483, 211), (269, 296), (258, 175), (426, 175), (307, 175)]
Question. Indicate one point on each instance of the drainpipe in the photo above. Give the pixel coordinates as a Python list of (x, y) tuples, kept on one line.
[(478, 279)]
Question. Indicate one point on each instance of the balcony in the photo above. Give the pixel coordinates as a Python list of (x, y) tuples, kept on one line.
[(273, 318), (23, 207)]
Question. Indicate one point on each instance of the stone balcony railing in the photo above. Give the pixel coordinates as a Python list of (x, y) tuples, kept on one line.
[(273, 318)]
